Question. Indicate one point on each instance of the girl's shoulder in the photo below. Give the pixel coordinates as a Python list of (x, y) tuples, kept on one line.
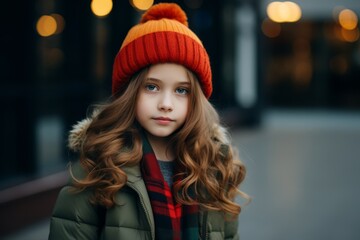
[(221, 224), (75, 206), (74, 216)]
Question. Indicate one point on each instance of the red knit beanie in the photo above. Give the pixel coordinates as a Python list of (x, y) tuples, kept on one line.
[(162, 36)]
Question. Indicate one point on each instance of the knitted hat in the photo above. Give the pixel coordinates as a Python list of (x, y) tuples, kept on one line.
[(162, 36)]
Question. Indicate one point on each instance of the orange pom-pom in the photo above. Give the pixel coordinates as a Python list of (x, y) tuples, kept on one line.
[(165, 10)]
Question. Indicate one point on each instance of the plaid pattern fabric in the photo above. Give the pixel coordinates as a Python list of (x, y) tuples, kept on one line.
[(172, 220)]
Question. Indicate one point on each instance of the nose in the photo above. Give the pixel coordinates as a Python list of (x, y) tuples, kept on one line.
[(165, 102)]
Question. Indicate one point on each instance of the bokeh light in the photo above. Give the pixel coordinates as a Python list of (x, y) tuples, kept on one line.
[(101, 8), (283, 11), (348, 19), (46, 26), (142, 5)]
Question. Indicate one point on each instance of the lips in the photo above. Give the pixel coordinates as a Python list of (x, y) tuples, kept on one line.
[(163, 120)]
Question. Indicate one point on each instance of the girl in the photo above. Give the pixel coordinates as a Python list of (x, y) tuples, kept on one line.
[(155, 162)]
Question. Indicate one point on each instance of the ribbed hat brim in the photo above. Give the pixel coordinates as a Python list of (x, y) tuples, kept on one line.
[(161, 47)]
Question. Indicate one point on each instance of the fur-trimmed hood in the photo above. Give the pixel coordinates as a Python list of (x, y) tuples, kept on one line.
[(78, 132)]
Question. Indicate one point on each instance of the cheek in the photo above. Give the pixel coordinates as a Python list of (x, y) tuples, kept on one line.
[(186, 109), (139, 107), (143, 106)]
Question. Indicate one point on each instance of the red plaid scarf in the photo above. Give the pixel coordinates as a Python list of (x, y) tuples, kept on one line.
[(172, 220)]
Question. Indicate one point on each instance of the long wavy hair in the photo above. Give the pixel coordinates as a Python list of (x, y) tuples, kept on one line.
[(211, 171)]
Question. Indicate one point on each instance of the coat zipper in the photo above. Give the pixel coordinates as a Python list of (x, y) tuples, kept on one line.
[(204, 232), (152, 230)]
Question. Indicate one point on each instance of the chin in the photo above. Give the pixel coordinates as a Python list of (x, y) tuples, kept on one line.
[(161, 134)]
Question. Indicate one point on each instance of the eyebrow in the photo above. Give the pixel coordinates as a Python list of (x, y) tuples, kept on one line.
[(158, 80)]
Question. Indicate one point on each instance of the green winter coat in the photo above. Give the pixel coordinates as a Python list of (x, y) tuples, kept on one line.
[(74, 217)]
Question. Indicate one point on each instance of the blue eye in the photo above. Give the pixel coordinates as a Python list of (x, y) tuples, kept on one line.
[(182, 91), (151, 87)]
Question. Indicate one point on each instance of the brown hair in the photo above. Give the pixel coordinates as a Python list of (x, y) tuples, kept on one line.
[(209, 165)]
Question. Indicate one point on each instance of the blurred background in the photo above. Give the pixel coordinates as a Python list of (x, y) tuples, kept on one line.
[(286, 82)]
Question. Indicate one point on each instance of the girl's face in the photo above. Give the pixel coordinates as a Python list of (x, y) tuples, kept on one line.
[(163, 99)]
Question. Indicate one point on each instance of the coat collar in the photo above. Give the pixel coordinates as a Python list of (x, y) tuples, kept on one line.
[(133, 173)]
